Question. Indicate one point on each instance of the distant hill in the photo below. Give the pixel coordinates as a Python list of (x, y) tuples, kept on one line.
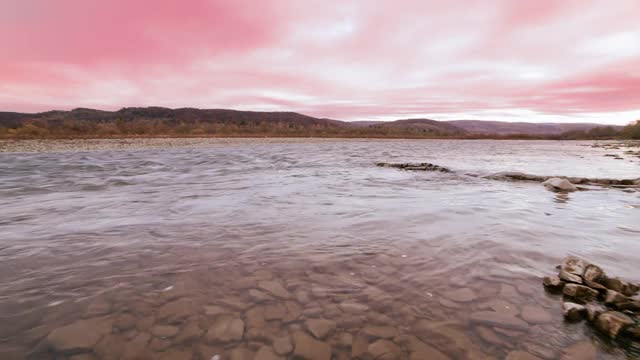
[(421, 125), (507, 128), (160, 121)]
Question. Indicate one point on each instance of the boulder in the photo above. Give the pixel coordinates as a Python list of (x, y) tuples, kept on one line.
[(612, 322), (283, 345), (593, 273), (580, 293), (631, 305), (569, 277), (559, 185), (574, 265), (553, 283), (573, 312), (275, 288), (593, 310), (613, 297)]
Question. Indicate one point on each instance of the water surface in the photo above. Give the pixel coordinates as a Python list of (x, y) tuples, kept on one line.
[(127, 235)]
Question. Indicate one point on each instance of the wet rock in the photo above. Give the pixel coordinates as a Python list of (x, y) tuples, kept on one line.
[(594, 285), (614, 284), (521, 355), (214, 310), (631, 305), (124, 322), (283, 345), (80, 336), (580, 293), (259, 296), (98, 307), (109, 347), (553, 283), (593, 273), (633, 332), (613, 297), (320, 328), (525, 288), (157, 344), (294, 310), (540, 351), (267, 353), (353, 308), (240, 354), (593, 310), (189, 333), (275, 288), (421, 351), (559, 185), (612, 322), (137, 348), (460, 295), (574, 265), (164, 331), (176, 311), (490, 336), (415, 166), (580, 351), (535, 314), (225, 328), (501, 306), (345, 339), (569, 277), (308, 348), (630, 289), (384, 350), (274, 312), (492, 318), (573, 312), (384, 332), (83, 357), (360, 345), (175, 354)]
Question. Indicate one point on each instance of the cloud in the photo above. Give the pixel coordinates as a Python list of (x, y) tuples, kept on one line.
[(342, 59)]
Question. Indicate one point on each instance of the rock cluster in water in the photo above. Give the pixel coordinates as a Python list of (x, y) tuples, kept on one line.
[(611, 305), (415, 166)]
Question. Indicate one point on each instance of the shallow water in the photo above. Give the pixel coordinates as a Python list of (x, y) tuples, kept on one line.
[(135, 239)]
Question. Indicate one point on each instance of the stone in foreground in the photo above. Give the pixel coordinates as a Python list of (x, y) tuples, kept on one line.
[(80, 336), (612, 322), (573, 312), (226, 328), (583, 294), (559, 185), (309, 348), (553, 283)]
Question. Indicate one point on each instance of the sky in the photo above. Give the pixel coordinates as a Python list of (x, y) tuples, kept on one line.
[(528, 60)]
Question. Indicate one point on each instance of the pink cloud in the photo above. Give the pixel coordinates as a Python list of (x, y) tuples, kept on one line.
[(340, 59)]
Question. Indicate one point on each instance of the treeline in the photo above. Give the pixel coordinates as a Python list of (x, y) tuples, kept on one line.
[(39, 128)]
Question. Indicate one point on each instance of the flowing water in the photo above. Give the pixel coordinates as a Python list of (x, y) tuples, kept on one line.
[(305, 249)]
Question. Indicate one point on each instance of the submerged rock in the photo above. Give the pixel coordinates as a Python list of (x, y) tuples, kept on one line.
[(497, 319), (309, 348), (80, 336), (559, 185), (226, 328), (461, 295)]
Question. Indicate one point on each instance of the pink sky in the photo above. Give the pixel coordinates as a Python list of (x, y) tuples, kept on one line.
[(538, 60)]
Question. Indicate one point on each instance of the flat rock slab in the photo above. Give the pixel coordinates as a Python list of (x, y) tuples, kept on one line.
[(497, 319), (320, 328), (226, 328), (308, 348), (384, 350), (81, 336), (275, 288), (461, 295), (535, 314)]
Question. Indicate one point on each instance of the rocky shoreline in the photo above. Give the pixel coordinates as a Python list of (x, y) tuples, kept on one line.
[(611, 305)]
